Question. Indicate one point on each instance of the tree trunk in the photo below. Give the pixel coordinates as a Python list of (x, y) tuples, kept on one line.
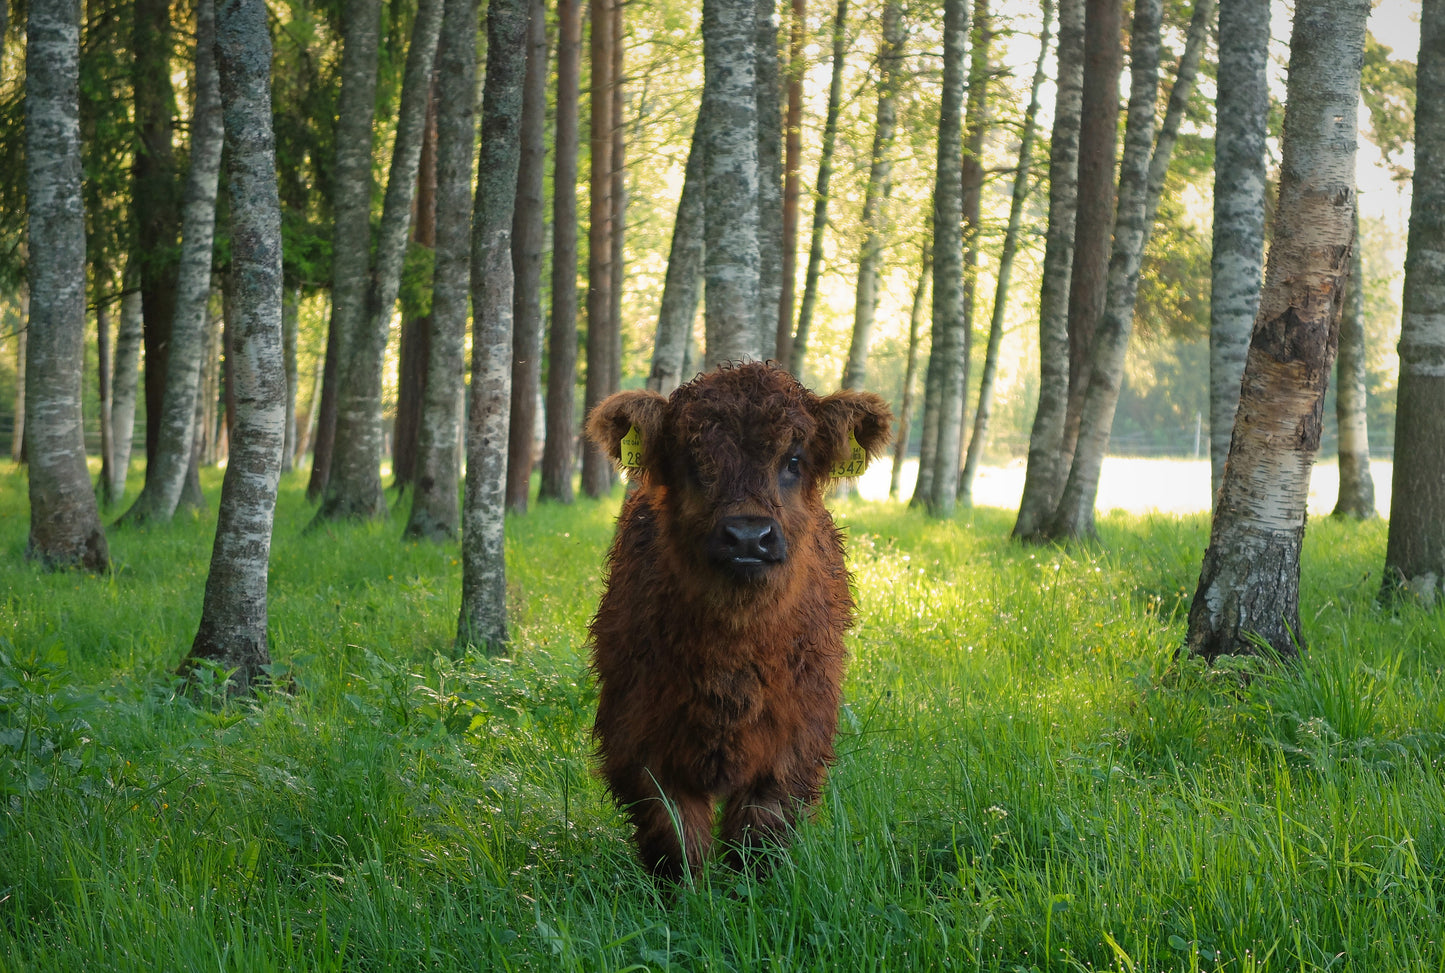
[(678, 311), (792, 188), (947, 368), (1241, 109), (65, 529), (910, 374), (984, 412), (768, 93), (799, 347), (155, 202), (324, 435), (1075, 516), (1249, 584), (123, 386), (1357, 487), (618, 265), (483, 618), (434, 511), (290, 320), (596, 467), (416, 332), (731, 208), (232, 631), (103, 356), (557, 452), (1047, 466), (528, 241), (17, 435), (354, 488), (875, 197), (175, 432), (1415, 553)]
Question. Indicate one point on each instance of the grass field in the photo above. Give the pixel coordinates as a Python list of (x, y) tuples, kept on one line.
[(1027, 778)]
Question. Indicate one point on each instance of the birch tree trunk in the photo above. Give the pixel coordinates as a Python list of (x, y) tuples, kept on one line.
[(1075, 516), (597, 471), (947, 368), (483, 618), (1241, 109), (351, 233), (354, 488), (680, 289), (232, 631), (557, 451), (528, 228), (792, 181), (769, 93), (175, 432), (124, 383), (875, 197), (1047, 468), (1356, 496), (65, 529), (910, 373), (798, 351), (435, 515), (103, 356), (290, 320), (1249, 583), (17, 433), (984, 413), (1415, 553), (415, 339), (731, 207)]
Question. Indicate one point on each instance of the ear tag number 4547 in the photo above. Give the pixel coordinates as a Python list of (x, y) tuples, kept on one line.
[(632, 450), (857, 461)]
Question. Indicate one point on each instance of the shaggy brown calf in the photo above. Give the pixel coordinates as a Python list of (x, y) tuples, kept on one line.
[(718, 644)]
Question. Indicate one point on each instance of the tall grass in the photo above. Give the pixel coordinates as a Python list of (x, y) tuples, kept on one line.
[(1028, 778)]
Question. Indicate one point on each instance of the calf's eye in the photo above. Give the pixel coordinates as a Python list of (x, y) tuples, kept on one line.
[(795, 464)]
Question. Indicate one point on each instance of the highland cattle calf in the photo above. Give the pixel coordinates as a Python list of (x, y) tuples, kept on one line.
[(718, 643)]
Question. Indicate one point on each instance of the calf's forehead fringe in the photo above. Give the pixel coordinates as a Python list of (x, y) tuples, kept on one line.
[(755, 406)]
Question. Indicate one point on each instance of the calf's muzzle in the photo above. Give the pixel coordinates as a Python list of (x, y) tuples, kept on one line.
[(747, 546)]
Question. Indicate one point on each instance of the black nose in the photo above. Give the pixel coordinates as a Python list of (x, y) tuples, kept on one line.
[(749, 542)]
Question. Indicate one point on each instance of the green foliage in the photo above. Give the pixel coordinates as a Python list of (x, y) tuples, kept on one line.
[(1388, 88), (1028, 777)]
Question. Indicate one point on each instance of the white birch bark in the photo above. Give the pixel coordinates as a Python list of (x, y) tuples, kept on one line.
[(483, 617), (769, 95), (681, 287), (17, 432), (1249, 583), (124, 384), (1356, 497), (65, 529)]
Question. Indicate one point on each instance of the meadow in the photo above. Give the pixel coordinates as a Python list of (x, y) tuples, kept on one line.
[(1028, 776)]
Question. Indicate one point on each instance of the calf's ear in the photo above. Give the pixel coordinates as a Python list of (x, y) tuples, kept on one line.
[(618, 414), (849, 415)]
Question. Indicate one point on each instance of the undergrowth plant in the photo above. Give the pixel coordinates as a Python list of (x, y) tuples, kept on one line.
[(1029, 775)]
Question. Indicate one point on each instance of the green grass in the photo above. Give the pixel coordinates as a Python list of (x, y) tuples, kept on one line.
[(1027, 778)]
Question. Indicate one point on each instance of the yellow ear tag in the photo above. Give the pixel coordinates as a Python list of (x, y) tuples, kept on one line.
[(631, 450), (857, 460)]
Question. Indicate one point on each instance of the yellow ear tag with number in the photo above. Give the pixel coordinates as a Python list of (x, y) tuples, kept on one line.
[(856, 462), (631, 450)]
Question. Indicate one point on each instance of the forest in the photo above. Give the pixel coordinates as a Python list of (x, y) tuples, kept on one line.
[(304, 306)]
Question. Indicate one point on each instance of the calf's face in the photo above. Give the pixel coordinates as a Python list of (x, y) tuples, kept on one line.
[(739, 459)]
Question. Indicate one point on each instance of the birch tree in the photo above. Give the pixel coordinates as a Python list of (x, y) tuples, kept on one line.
[(768, 93), (483, 617), (602, 338), (1249, 583), (124, 384), (1356, 497), (680, 288), (65, 529), (792, 176), (1415, 552), (232, 630)]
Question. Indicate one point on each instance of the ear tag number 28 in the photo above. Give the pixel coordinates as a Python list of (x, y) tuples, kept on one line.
[(857, 461), (631, 450)]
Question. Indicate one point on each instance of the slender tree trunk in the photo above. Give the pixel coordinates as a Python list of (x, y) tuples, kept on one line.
[(416, 332), (1249, 584), (1357, 487), (123, 386), (680, 289), (1075, 516), (799, 351), (103, 356), (65, 529), (1241, 108), (618, 266), (17, 436), (768, 93), (947, 367), (875, 197), (290, 320), (1415, 553), (232, 631), (483, 618), (528, 229), (557, 452), (731, 110), (792, 181), (175, 432), (324, 435), (1047, 467), (354, 488), (596, 467), (984, 413), (910, 375), (434, 511)]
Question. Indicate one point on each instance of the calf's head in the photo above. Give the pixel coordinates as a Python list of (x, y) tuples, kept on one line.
[(737, 460)]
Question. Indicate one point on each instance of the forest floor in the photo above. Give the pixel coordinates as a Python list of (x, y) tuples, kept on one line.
[(1028, 778)]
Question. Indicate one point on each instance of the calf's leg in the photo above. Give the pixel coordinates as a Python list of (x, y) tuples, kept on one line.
[(672, 828)]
